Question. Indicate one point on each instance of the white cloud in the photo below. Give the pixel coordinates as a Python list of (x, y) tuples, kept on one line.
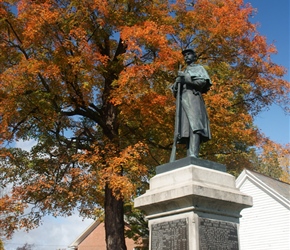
[(25, 145), (53, 234)]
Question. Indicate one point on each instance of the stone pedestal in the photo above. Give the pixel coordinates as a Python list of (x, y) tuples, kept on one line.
[(193, 204)]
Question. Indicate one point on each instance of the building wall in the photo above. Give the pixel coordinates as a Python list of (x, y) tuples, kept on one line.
[(266, 225), (96, 240)]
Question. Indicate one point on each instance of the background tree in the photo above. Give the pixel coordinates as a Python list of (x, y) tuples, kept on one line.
[(89, 82), (26, 246)]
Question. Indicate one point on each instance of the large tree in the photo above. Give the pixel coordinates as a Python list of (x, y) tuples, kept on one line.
[(89, 80)]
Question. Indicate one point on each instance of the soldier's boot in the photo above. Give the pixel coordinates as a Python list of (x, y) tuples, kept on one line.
[(193, 145)]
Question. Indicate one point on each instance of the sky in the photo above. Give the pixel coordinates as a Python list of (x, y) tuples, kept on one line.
[(273, 16), (274, 20)]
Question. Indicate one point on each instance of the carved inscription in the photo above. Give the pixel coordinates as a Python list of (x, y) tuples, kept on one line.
[(217, 235), (170, 235)]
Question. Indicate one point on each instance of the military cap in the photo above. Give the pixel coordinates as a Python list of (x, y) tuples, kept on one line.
[(188, 50)]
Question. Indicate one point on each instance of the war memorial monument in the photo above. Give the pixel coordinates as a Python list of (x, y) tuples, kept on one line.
[(192, 204)]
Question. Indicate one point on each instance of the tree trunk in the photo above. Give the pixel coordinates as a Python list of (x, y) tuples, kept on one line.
[(114, 221)]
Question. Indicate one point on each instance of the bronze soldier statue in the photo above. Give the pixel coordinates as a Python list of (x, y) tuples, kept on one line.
[(192, 123)]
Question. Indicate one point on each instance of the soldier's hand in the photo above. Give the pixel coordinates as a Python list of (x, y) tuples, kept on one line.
[(174, 88), (179, 79)]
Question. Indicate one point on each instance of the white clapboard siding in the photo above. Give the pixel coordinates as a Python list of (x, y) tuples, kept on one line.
[(266, 225)]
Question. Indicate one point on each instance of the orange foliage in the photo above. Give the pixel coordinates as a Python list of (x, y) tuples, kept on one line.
[(273, 160), (89, 81)]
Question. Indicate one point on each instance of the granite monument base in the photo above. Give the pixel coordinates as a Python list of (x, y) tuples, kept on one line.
[(193, 204)]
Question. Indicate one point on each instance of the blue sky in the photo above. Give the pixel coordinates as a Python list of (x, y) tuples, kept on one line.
[(273, 17), (274, 20)]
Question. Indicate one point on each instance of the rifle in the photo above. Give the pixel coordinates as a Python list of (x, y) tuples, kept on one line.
[(177, 122)]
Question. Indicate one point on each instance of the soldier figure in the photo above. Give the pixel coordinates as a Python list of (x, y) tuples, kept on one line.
[(193, 123)]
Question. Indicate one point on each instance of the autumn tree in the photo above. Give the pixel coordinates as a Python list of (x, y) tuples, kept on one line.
[(89, 81)]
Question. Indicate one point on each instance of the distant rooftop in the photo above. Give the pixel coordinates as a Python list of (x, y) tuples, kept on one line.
[(280, 187)]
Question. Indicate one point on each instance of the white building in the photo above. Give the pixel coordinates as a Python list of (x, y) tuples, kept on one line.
[(266, 225)]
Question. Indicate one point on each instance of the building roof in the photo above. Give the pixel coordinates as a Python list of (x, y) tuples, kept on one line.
[(85, 234), (278, 189), (98, 236)]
